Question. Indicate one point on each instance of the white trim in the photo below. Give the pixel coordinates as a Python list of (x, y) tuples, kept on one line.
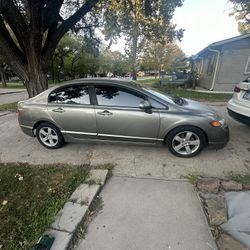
[(229, 40), (216, 66), (130, 137), (26, 126), (78, 133), (107, 135), (233, 39), (247, 66)]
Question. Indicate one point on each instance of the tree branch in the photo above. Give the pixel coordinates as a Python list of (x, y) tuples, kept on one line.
[(17, 24), (51, 14), (54, 35), (10, 57)]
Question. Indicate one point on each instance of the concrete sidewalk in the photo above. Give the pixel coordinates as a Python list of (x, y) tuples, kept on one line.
[(148, 214)]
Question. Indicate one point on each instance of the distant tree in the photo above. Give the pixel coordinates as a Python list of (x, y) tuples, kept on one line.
[(241, 11), (138, 20), (74, 57), (31, 30), (67, 46), (114, 62), (161, 56)]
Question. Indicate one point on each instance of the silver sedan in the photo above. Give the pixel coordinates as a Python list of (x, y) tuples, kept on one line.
[(100, 109)]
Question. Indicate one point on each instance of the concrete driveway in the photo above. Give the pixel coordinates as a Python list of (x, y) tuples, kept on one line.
[(130, 160)]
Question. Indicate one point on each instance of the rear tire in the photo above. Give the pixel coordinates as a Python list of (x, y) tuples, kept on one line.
[(186, 141), (49, 136)]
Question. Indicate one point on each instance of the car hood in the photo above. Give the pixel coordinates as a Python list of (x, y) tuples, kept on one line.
[(201, 109)]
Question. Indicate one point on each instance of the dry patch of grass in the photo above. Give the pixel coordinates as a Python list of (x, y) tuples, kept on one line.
[(30, 197)]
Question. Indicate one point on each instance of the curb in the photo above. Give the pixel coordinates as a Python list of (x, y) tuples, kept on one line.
[(75, 210), (4, 113), (12, 92)]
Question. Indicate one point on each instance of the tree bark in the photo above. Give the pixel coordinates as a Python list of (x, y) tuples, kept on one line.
[(3, 76), (28, 55), (134, 52), (37, 81)]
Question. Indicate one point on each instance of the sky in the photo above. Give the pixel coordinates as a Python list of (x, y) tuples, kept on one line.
[(204, 21)]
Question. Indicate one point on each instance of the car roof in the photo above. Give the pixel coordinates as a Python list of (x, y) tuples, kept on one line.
[(102, 80)]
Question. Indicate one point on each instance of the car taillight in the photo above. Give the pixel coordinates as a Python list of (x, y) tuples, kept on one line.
[(237, 89)]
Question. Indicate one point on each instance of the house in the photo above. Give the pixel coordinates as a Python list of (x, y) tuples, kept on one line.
[(223, 64)]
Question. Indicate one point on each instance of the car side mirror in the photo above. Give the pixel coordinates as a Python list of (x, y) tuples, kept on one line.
[(145, 105)]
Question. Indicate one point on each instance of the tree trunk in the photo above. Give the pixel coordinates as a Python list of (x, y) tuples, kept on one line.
[(134, 50), (52, 70), (37, 74), (134, 54), (37, 83), (3, 76)]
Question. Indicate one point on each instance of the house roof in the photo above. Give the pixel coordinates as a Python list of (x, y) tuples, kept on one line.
[(222, 42)]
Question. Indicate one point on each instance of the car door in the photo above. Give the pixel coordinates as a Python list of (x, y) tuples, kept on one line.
[(119, 117), (71, 110)]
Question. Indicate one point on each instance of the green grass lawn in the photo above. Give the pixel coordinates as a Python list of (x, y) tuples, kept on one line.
[(13, 85), (179, 91), (28, 206), (211, 97), (148, 81), (8, 107)]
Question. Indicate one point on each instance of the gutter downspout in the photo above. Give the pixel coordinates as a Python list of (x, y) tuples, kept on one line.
[(216, 66)]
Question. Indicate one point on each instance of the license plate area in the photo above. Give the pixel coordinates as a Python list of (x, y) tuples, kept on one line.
[(246, 95)]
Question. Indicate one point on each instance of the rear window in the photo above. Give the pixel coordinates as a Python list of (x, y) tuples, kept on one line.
[(78, 95)]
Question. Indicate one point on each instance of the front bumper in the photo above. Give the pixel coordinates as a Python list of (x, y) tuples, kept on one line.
[(221, 139)]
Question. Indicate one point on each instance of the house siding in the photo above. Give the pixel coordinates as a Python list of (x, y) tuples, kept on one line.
[(232, 68), (232, 64), (205, 78)]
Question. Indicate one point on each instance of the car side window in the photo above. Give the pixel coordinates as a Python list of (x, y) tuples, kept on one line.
[(77, 94), (117, 96)]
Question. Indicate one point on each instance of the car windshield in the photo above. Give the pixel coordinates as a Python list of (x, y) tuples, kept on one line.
[(168, 98)]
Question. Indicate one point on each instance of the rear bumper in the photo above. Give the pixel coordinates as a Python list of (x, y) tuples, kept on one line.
[(238, 112), (239, 117), (27, 130)]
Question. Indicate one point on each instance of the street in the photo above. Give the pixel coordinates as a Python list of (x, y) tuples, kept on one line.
[(12, 95)]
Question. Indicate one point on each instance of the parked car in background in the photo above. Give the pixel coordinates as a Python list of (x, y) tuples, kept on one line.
[(120, 111), (239, 106)]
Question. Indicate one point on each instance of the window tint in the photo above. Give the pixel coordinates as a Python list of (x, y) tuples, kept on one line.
[(116, 96), (71, 95)]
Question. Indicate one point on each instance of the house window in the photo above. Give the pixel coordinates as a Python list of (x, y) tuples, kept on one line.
[(247, 69), (211, 65)]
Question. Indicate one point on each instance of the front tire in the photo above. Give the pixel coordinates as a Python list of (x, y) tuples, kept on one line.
[(186, 141), (49, 136)]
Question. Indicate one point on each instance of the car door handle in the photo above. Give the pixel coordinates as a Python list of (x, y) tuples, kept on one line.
[(105, 112), (58, 110)]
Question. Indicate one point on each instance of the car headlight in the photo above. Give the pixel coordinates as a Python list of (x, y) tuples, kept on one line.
[(219, 123)]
